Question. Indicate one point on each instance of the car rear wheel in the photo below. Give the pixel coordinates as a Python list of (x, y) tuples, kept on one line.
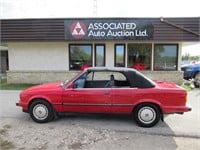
[(147, 115), (197, 80), (41, 111)]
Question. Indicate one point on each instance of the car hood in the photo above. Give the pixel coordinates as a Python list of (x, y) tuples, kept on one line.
[(190, 66), (43, 87)]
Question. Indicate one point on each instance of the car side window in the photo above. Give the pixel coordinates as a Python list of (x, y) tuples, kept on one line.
[(97, 79), (101, 76), (119, 76), (90, 76), (120, 80), (106, 79), (80, 82)]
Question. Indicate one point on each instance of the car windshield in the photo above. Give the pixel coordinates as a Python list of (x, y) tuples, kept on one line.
[(68, 80)]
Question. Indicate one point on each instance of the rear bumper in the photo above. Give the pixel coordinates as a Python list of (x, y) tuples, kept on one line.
[(189, 108), (178, 110)]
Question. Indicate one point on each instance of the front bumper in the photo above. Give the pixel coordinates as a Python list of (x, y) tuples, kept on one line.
[(188, 75), (23, 105)]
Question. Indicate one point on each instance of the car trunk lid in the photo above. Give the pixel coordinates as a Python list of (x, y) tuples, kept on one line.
[(167, 84)]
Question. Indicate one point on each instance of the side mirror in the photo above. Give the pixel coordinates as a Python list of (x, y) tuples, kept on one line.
[(61, 84)]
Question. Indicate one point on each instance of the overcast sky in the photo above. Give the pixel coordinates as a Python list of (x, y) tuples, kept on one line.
[(105, 8)]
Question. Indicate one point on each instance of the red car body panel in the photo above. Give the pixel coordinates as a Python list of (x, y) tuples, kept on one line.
[(51, 92), (64, 98), (86, 100)]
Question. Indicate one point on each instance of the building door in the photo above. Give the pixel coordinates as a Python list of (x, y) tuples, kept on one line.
[(4, 61)]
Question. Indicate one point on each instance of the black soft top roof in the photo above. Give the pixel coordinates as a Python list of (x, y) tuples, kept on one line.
[(119, 69), (135, 78)]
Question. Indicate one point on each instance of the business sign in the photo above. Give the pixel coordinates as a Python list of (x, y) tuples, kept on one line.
[(116, 29)]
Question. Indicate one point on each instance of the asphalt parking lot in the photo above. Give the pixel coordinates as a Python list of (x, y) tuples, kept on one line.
[(83, 131)]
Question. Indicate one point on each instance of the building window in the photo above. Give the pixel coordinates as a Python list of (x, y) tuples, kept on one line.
[(80, 56), (119, 55), (165, 56), (139, 56), (99, 55)]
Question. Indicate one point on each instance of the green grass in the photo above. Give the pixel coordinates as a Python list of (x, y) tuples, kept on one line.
[(3, 132), (6, 145), (186, 87), (5, 86)]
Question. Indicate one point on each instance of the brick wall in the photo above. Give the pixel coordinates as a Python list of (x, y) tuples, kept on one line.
[(172, 76), (36, 77)]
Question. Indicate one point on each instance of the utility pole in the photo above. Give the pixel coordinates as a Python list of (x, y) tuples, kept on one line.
[(95, 8)]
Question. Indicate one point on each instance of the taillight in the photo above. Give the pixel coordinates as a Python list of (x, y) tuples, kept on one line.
[(186, 97)]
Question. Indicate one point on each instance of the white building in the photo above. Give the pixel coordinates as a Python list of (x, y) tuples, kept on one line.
[(44, 50)]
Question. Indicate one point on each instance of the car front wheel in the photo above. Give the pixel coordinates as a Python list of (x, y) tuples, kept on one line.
[(197, 80), (147, 115), (41, 111)]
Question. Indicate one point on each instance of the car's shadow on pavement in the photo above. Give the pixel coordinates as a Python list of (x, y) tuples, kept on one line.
[(113, 122), (122, 124), (91, 131)]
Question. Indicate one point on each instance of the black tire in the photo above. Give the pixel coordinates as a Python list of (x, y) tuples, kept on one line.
[(41, 111), (147, 115), (197, 80)]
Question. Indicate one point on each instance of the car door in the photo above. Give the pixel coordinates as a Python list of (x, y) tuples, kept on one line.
[(122, 94), (123, 99), (88, 96)]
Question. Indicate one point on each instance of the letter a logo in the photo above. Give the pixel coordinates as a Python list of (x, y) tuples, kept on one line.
[(78, 29)]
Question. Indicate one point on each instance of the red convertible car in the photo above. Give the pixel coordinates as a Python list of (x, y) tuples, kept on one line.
[(105, 90)]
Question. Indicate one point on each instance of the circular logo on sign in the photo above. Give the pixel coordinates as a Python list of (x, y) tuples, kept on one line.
[(78, 29)]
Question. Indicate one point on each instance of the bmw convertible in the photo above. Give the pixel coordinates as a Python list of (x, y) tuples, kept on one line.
[(106, 90)]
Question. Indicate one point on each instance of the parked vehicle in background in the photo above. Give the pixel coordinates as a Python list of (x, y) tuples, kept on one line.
[(139, 66), (104, 90), (192, 71)]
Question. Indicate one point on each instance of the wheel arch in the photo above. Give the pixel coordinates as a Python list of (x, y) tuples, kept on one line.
[(196, 81), (38, 98), (196, 72), (49, 110), (155, 103)]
